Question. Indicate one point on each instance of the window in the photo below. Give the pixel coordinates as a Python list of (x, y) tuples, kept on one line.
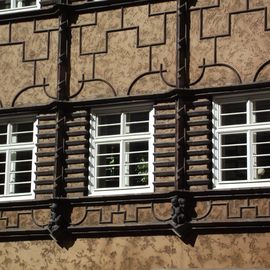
[(16, 159), (17, 5), (242, 141), (122, 154)]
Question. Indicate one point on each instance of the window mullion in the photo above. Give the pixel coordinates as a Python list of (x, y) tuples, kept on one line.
[(8, 157), (249, 112), (219, 157), (6, 173), (122, 177), (249, 156), (249, 143)]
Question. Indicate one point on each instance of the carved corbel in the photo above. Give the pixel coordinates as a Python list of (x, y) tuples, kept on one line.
[(180, 219), (60, 220)]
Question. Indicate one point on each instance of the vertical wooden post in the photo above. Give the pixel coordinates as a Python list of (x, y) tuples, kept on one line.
[(182, 35), (182, 76), (62, 95)]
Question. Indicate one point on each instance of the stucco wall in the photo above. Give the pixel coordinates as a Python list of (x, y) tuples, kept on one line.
[(140, 253), (229, 42)]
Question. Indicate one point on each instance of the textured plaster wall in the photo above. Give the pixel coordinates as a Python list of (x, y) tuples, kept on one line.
[(124, 51), (140, 253), (229, 42), (119, 52), (28, 54)]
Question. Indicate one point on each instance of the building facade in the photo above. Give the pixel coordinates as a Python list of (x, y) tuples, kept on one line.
[(134, 134)]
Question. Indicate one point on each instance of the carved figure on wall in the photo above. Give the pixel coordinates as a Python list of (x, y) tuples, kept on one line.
[(178, 209)]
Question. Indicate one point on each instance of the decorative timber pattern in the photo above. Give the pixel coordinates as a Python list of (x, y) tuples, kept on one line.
[(45, 155), (165, 129), (77, 154), (198, 143), (127, 51), (28, 55), (219, 210)]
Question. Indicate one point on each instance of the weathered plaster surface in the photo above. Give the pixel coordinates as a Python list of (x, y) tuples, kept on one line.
[(229, 42), (143, 253)]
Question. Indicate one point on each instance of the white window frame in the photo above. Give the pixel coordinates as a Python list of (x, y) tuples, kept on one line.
[(14, 9), (10, 147), (247, 128), (121, 139)]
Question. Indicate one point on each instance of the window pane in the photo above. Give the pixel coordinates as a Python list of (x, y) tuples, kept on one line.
[(3, 134), (233, 107), (2, 178), (140, 168), (233, 145), (109, 125), (261, 148), (133, 158), (2, 167), (1, 189), (21, 155), (262, 173), (108, 130), (259, 105), (236, 119), (20, 177), (136, 163), (109, 119), (2, 157), (232, 151), (108, 148), (108, 171), (22, 127), (22, 137), (262, 117), (21, 166), (3, 129), (136, 146), (137, 128), (108, 158), (3, 139), (233, 139), (137, 116), (261, 110), (22, 132), (234, 175), (137, 180), (262, 161), (137, 122), (261, 155), (19, 188), (108, 182), (229, 163), (25, 3), (5, 4), (233, 113)]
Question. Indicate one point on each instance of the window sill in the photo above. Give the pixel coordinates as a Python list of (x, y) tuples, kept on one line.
[(17, 10), (118, 191), (226, 186), (18, 197)]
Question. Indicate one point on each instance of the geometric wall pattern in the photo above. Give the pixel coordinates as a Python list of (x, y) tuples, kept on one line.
[(234, 38)]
